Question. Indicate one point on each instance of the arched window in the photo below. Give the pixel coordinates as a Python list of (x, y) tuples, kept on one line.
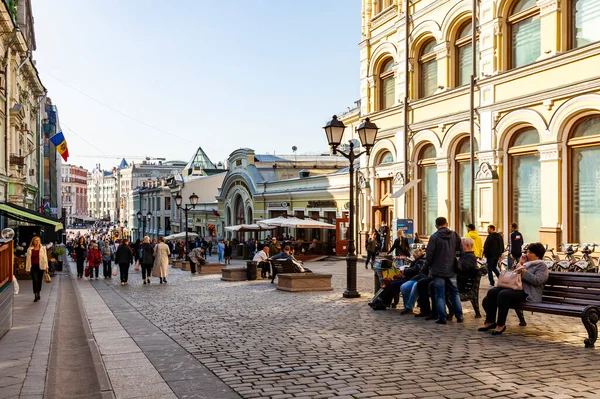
[(525, 183), (585, 22), (427, 70), (428, 190), (385, 157), (525, 34), (584, 149), (464, 55), (387, 83), (463, 184)]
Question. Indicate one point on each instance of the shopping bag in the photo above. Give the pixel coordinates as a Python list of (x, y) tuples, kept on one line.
[(16, 285), (137, 267), (47, 277), (114, 272), (86, 272)]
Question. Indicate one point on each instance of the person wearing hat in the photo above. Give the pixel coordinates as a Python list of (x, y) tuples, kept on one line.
[(274, 248), (477, 242)]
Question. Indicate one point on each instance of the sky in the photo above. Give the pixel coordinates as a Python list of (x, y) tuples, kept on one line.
[(153, 78)]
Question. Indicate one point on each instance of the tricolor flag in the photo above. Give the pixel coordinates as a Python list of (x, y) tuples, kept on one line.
[(61, 145)]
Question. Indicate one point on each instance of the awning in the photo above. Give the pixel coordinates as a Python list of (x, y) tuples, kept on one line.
[(241, 228), (21, 214), (405, 188), (295, 222)]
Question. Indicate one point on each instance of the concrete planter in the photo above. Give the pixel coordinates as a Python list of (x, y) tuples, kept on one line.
[(177, 264), (211, 268), (301, 282), (234, 274), (185, 266), (6, 307)]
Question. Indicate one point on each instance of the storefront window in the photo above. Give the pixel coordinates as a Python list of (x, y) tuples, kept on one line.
[(526, 195), (525, 37), (585, 23), (463, 187), (428, 192)]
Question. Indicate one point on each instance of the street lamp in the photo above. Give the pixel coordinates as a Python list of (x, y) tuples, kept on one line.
[(143, 220), (193, 201), (367, 132)]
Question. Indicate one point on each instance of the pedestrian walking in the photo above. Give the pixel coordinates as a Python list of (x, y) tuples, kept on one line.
[(400, 245), (210, 247), (516, 245), (473, 234), (94, 260), (124, 258), (372, 246), (36, 264), (107, 257), (442, 250), (227, 252), (146, 259), (80, 252), (221, 250), (492, 249), (383, 233), (161, 260)]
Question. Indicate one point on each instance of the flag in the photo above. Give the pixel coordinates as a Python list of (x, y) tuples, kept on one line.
[(61, 145), (214, 211)]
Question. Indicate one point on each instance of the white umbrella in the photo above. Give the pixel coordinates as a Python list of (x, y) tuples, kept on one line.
[(249, 227), (179, 236), (297, 223)]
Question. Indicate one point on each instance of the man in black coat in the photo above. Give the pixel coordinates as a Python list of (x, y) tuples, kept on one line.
[(492, 250), (516, 244), (442, 250), (467, 264)]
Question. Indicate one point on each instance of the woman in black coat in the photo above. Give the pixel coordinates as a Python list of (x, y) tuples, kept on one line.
[(400, 245), (124, 258), (80, 250), (227, 252)]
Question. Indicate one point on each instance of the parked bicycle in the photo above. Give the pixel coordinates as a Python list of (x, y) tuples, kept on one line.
[(586, 264), (566, 264)]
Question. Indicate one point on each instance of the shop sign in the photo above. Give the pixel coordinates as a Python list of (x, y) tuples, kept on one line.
[(322, 204), (277, 204), (407, 226)]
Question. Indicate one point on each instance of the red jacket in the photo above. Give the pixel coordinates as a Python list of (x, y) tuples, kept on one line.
[(94, 257)]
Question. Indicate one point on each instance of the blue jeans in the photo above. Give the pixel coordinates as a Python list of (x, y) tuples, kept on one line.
[(406, 290), (439, 284)]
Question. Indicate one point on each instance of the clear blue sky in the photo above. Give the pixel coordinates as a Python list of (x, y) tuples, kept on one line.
[(264, 74)]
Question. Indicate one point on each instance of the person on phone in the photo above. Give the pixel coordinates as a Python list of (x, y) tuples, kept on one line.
[(516, 243), (498, 301)]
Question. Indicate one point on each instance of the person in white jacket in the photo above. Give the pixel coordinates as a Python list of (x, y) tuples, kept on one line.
[(36, 263), (161, 260)]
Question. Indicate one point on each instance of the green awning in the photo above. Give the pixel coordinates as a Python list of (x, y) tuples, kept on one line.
[(21, 214)]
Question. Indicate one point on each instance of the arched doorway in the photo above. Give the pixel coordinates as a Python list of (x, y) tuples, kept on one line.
[(584, 177), (524, 184)]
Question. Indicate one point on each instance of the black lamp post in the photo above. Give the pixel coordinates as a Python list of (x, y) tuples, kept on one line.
[(367, 132), (193, 201), (143, 220)]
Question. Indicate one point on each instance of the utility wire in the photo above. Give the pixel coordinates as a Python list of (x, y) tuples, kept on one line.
[(72, 131), (119, 111)]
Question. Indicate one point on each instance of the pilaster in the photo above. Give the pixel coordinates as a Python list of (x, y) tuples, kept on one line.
[(550, 171), (488, 192), (550, 32), (442, 55), (443, 195)]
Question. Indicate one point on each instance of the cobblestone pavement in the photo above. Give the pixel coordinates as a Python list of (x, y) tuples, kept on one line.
[(271, 344)]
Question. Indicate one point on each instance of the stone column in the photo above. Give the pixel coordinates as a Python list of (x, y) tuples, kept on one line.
[(550, 27), (443, 170), (551, 232)]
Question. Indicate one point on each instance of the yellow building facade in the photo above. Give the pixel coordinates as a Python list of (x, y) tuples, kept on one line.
[(537, 107)]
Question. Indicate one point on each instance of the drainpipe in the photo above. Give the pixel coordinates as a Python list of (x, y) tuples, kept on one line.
[(405, 105), (6, 65), (39, 152), (472, 106)]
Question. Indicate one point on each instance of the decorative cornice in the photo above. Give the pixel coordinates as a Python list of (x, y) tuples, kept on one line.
[(442, 165), (547, 6), (549, 152), (486, 172)]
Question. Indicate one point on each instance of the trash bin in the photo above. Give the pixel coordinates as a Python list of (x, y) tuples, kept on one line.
[(376, 282), (251, 270)]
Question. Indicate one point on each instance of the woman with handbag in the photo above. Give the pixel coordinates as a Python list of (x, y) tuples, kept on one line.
[(80, 250), (94, 259), (525, 283), (36, 263)]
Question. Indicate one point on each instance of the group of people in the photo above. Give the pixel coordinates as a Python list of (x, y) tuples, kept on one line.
[(439, 272), (274, 252), (152, 257)]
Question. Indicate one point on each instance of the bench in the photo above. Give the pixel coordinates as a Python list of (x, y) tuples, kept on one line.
[(468, 288), (569, 294), (280, 266)]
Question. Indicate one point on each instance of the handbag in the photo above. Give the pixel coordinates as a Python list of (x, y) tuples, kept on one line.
[(86, 272), (510, 279), (137, 267), (47, 277), (114, 271)]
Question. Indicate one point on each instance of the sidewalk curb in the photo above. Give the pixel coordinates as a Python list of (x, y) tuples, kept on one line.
[(105, 385)]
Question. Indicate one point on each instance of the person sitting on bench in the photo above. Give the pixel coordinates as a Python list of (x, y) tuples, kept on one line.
[(534, 274), (261, 258)]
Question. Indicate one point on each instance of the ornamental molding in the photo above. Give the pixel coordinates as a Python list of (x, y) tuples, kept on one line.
[(486, 172), (442, 50), (548, 6), (549, 152), (442, 165), (371, 82), (399, 179)]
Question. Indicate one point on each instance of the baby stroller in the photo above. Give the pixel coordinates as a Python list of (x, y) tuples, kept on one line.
[(386, 271)]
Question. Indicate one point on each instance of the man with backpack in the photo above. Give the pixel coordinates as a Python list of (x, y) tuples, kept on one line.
[(442, 250)]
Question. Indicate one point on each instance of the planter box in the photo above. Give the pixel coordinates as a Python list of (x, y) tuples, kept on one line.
[(6, 307), (211, 268), (185, 266), (177, 264), (234, 274), (301, 282)]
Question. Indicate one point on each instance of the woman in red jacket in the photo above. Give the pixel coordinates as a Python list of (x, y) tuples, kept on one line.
[(94, 259)]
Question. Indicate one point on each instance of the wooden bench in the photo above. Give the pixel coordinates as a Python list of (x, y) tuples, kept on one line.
[(569, 294), (280, 266)]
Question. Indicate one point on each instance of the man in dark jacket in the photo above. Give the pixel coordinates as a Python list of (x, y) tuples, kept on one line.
[(383, 233), (516, 244), (492, 250), (442, 249), (467, 264)]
